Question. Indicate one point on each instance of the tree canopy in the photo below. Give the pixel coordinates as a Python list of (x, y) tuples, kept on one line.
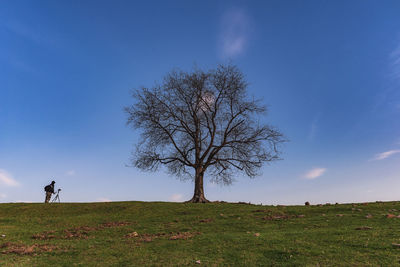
[(202, 121)]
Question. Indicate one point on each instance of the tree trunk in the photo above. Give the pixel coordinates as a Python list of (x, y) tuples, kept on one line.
[(198, 196)]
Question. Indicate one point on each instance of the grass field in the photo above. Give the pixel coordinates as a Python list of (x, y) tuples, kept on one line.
[(215, 234)]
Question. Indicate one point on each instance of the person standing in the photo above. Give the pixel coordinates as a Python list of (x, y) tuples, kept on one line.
[(49, 189)]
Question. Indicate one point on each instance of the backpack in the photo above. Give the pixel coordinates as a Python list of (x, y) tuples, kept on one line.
[(47, 188)]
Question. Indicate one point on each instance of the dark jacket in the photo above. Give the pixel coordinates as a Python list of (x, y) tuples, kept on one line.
[(49, 188)]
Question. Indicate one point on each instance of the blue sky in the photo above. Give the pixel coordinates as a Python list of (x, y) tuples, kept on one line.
[(329, 72)]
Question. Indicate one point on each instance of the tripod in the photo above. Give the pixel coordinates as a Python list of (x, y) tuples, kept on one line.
[(57, 197)]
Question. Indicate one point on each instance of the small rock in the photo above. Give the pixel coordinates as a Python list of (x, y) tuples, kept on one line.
[(339, 215), (221, 214), (3, 235), (198, 262), (323, 214), (396, 245), (369, 216), (257, 234), (248, 232), (390, 216), (359, 210), (301, 216), (133, 234)]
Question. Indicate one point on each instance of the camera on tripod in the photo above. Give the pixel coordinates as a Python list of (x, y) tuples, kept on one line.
[(57, 197)]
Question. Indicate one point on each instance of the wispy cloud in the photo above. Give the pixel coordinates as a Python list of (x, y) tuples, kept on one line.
[(7, 179), (395, 58), (2, 195), (389, 96), (314, 173), (234, 33), (176, 198), (70, 173), (385, 155), (314, 127), (28, 32), (103, 199)]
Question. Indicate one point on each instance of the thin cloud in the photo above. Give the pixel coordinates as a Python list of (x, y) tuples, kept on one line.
[(7, 179), (103, 199), (176, 198), (314, 127), (390, 95), (3, 196), (27, 32), (385, 155), (313, 130), (395, 58), (314, 173), (234, 33)]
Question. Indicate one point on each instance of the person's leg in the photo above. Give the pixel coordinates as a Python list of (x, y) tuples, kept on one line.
[(48, 196)]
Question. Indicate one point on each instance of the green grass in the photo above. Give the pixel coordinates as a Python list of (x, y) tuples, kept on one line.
[(97, 234)]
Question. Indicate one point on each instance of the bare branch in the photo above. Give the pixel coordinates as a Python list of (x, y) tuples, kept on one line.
[(202, 121)]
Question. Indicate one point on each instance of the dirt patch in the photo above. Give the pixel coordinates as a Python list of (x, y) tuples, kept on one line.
[(45, 235), (85, 228), (392, 216), (184, 235), (145, 237), (21, 249), (276, 217), (5, 245), (114, 224), (150, 237), (364, 228), (281, 217), (262, 211), (170, 236), (79, 234), (208, 220)]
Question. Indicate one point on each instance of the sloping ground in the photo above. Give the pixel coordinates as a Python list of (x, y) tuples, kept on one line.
[(215, 234)]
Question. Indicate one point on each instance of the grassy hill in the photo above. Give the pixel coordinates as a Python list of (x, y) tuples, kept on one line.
[(216, 234)]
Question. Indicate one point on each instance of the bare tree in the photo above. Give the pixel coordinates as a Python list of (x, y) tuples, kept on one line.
[(202, 121)]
